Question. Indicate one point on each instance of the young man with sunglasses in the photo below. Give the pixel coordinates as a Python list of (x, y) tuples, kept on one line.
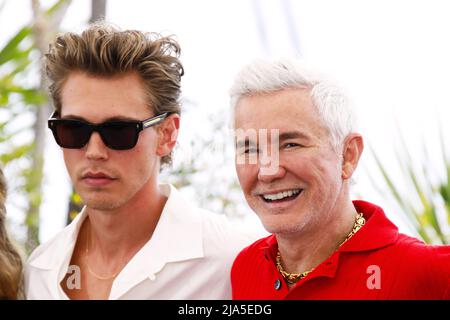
[(116, 95)]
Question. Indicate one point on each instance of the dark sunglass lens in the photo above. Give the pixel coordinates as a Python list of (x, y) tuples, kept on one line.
[(120, 135), (72, 134)]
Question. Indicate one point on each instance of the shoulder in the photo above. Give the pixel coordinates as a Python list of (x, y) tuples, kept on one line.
[(412, 248), (48, 249), (424, 267), (54, 251), (421, 260), (221, 235), (40, 264)]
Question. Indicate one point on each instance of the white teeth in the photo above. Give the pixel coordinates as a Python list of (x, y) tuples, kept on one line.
[(281, 195)]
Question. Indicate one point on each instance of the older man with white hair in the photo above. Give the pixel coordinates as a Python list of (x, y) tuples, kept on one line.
[(323, 244)]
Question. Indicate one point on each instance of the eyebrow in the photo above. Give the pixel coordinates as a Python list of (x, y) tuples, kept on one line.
[(293, 135)]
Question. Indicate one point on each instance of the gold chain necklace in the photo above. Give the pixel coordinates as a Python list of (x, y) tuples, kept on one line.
[(292, 278), (87, 262)]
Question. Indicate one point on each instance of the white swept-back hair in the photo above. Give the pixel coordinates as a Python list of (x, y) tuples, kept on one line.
[(262, 76)]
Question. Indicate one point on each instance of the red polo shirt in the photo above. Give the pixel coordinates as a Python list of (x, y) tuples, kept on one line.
[(378, 262)]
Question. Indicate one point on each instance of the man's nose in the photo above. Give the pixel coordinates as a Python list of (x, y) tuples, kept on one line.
[(270, 169), (96, 148)]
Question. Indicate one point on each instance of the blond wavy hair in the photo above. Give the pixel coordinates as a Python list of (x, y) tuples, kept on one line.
[(10, 260), (104, 50)]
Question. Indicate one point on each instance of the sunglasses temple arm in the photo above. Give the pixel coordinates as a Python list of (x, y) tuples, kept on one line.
[(155, 120)]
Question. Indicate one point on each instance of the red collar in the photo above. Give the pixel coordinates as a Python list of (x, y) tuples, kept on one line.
[(377, 232)]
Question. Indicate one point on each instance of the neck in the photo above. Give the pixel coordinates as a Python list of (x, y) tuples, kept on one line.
[(114, 233), (310, 247)]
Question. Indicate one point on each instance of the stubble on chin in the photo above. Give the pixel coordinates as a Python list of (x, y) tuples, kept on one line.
[(284, 224), (102, 205), (101, 201)]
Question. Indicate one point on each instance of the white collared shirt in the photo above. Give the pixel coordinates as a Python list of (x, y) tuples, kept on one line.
[(189, 256)]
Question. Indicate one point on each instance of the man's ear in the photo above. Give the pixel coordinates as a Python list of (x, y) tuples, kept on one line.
[(353, 148), (168, 133)]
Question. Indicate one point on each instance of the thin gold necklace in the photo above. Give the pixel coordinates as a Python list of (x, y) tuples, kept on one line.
[(292, 278), (87, 262)]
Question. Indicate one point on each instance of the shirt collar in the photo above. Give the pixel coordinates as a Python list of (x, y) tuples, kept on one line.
[(177, 237), (377, 232), (58, 251)]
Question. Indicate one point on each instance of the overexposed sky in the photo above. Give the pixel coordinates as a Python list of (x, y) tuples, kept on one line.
[(391, 56)]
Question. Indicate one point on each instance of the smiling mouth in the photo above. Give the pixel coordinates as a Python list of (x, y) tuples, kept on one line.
[(281, 196)]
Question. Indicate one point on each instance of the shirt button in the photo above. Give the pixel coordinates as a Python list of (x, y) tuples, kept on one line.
[(277, 284)]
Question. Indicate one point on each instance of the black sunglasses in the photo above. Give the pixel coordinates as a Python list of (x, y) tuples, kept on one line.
[(117, 135)]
